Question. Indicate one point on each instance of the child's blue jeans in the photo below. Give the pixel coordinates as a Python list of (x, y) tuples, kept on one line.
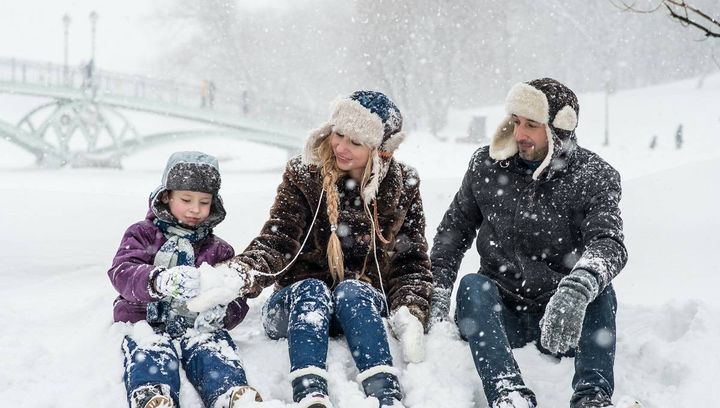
[(211, 364)]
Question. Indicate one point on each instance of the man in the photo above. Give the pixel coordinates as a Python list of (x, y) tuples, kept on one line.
[(550, 240)]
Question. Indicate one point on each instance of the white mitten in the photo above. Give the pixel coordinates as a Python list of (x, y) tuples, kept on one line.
[(408, 329), (180, 282), (210, 320)]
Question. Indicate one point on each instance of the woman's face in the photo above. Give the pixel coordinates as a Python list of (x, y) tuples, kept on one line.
[(350, 156)]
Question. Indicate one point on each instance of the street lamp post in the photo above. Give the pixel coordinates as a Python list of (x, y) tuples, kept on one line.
[(93, 22), (66, 29)]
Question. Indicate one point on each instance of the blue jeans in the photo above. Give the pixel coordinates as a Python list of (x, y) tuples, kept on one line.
[(207, 365), (307, 313), (493, 330)]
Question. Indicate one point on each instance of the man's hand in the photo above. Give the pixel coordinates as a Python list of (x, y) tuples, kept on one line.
[(179, 282), (408, 329), (440, 306), (561, 325)]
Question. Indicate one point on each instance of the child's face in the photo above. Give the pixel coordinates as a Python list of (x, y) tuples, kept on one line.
[(189, 207)]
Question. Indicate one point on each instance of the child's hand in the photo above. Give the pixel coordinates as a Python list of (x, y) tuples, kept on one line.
[(211, 319), (180, 282)]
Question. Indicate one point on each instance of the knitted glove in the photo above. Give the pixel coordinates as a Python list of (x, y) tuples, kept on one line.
[(440, 307), (180, 282), (251, 287), (411, 333), (562, 323), (211, 320)]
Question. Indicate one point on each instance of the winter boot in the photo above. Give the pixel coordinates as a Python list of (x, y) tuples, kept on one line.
[(244, 393), (382, 383), (310, 388), (514, 399), (151, 396), (236, 397), (599, 400), (315, 400)]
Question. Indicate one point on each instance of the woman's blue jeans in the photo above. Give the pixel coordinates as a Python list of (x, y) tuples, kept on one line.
[(308, 313), (492, 330)]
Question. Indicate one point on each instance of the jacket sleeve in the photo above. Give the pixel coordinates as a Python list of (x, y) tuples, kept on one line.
[(602, 228), (132, 268), (281, 236), (410, 277), (456, 231)]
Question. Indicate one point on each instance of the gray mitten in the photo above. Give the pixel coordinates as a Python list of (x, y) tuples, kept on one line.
[(562, 322), (440, 307)]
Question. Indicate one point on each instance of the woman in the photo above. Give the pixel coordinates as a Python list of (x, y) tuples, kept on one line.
[(345, 245)]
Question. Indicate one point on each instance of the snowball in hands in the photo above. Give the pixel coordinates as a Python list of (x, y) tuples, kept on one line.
[(562, 322), (180, 282), (219, 285), (408, 329)]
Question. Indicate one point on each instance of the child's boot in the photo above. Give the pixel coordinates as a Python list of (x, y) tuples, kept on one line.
[(151, 396), (243, 394), (237, 397)]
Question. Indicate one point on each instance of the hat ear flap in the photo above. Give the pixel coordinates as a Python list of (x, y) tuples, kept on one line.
[(393, 142), (503, 144), (566, 118), (310, 152), (371, 189)]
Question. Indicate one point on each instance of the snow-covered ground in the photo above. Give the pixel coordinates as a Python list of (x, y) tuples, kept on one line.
[(61, 228)]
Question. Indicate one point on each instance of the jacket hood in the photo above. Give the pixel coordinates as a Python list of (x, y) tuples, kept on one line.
[(191, 171)]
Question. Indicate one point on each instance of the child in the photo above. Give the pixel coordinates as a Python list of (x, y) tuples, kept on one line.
[(155, 272)]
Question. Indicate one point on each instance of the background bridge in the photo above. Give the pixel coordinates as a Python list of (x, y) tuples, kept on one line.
[(83, 119)]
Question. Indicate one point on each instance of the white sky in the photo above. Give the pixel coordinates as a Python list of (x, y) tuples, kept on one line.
[(127, 30), (33, 29)]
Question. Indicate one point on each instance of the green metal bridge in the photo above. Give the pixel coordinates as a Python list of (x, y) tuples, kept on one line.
[(84, 122)]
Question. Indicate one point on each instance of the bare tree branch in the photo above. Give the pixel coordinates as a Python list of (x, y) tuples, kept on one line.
[(687, 14)]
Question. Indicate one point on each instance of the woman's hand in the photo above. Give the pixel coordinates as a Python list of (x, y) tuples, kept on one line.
[(411, 333)]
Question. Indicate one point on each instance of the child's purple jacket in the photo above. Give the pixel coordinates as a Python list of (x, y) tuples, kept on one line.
[(132, 269)]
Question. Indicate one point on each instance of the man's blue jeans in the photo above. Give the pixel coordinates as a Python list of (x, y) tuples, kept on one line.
[(307, 313), (493, 330), (208, 365)]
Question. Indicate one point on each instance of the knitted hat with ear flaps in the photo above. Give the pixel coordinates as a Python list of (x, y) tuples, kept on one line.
[(369, 118), (190, 171), (545, 101)]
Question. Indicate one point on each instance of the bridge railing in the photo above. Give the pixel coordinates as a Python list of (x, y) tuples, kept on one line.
[(203, 94)]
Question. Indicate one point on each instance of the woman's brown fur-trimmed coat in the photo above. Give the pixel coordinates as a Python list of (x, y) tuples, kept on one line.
[(404, 262)]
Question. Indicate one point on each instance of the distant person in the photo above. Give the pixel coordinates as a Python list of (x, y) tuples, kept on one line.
[(203, 93), (679, 136), (155, 272), (211, 93), (549, 235), (653, 142), (89, 84), (352, 217)]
